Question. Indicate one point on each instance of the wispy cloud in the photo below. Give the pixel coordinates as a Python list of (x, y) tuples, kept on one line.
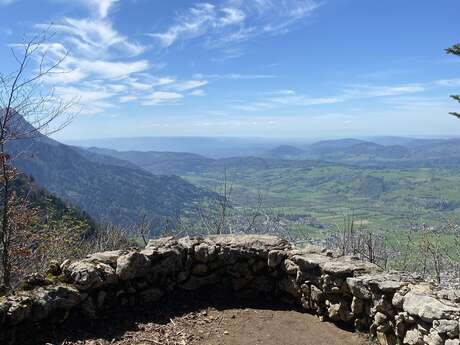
[(235, 21), (290, 98), (198, 20), (97, 8), (163, 97), (188, 85), (235, 76), (197, 92)]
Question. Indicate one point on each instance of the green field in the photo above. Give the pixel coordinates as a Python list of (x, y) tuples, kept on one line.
[(380, 199)]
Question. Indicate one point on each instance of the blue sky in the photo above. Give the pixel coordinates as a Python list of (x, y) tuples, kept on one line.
[(269, 68)]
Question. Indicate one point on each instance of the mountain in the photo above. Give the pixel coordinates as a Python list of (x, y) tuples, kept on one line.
[(213, 147), (157, 162), (185, 163), (285, 151), (333, 145), (107, 188)]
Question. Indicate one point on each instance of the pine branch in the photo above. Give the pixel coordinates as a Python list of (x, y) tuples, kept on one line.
[(455, 114), (456, 97), (455, 50)]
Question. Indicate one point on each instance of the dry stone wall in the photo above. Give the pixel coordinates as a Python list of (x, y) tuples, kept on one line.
[(393, 307)]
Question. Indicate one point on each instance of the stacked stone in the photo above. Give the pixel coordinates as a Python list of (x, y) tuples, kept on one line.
[(393, 307)]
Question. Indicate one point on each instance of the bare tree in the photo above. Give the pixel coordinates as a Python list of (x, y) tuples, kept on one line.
[(28, 109)]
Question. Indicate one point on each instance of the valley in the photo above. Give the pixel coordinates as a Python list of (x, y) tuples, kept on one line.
[(390, 189)]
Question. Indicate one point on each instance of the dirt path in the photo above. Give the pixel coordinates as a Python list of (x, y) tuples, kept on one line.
[(197, 324)]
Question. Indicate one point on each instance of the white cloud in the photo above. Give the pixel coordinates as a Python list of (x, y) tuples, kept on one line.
[(197, 92), (97, 8), (235, 76), (102, 6), (127, 98), (163, 97), (371, 91), (229, 23), (188, 85), (90, 37), (448, 82), (289, 98)]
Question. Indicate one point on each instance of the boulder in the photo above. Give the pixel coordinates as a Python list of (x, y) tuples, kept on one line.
[(429, 308), (132, 265), (84, 275)]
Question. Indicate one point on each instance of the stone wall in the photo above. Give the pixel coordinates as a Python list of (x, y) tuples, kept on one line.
[(393, 307)]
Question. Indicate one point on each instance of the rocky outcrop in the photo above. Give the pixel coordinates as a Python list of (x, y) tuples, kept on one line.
[(393, 307)]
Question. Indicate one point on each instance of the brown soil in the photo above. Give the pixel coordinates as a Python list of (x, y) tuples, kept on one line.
[(185, 323)]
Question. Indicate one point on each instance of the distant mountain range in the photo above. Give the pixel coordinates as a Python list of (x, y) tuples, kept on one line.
[(396, 152), (413, 153), (106, 188)]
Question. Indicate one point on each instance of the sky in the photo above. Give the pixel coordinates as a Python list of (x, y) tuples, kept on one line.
[(246, 68)]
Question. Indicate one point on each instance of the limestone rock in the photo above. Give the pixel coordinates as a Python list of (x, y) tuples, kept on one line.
[(348, 267), (448, 327), (452, 342), (275, 257), (290, 267), (108, 258), (132, 265), (428, 308), (433, 339), (413, 337), (205, 252), (84, 275)]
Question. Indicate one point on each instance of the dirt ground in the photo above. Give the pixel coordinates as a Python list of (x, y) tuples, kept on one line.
[(191, 323)]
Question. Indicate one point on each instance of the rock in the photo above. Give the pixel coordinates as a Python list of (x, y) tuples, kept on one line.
[(132, 265), (194, 282), (84, 275), (343, 289), (413, 337), (88, 309), (32, 281), (428, 308), (101, 297), (380, 318), (50, 300), (65, 264), (54, 268), (433, 339), (289, 285), (290, 267), (358, 288), (19, 309), (204, 252), (275, 257), (398, 300), (348, 267), (258, 266), (260, 243), (386, 338), (451, 295), (311, 263), (357, 306), (447, 327), (200, 269), (452, 342), (339, 311), (109, 258), (151, 295), (316, 294)]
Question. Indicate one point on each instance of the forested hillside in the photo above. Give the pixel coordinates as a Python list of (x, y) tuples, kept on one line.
[(108, 189)]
